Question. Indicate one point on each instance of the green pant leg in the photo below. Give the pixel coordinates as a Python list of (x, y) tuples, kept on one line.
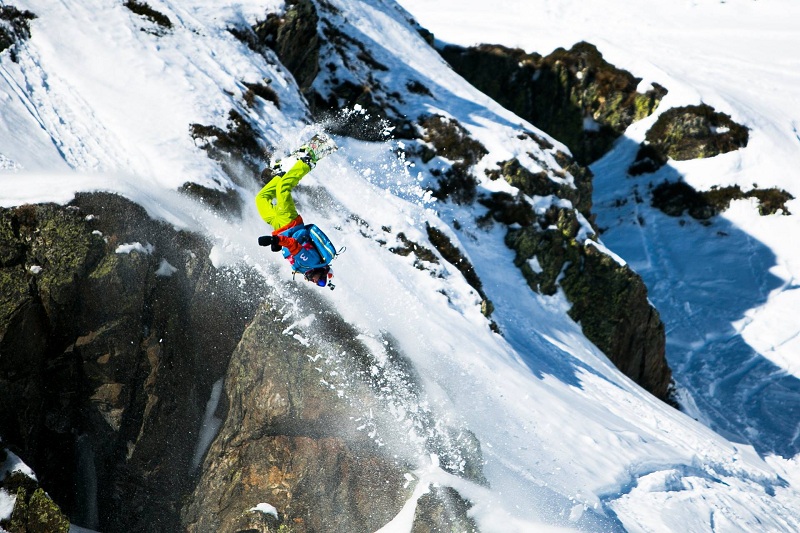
[(274, 202)]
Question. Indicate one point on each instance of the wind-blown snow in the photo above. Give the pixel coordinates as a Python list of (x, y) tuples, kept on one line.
[(211, 424), (568, 441)]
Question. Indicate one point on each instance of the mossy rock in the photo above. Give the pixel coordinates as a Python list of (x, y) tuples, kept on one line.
[(12, 250), (551, 243), (581, 198), (59, 244), (450, 140), (677, 198), (508, 209), (35, 512), (15, 290), (609, 301), (538, 184), (695, 132), (541, 184), (574, 95), (771, 201), (14, 27), (17, 480), (65, 248)]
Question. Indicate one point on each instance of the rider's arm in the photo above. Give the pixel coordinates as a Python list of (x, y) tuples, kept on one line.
[(289, 243)]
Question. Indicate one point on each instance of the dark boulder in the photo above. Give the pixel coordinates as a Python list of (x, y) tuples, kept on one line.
[(574, 95)]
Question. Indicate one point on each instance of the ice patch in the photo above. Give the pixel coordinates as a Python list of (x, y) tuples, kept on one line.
[(265, 508), (127, 248), (165, 269), (211, 425), (535, 266)]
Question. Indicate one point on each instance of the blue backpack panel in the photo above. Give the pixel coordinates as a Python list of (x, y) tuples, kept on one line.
[(322, 243), (317, 249)]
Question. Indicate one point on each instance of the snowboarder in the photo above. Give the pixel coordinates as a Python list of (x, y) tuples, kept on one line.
[(305, 246)]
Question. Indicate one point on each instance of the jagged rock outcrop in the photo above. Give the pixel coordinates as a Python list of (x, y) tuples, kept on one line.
[(532, 184), (299, 37), (144, 10), (14, 27), (574, 95), (308, 432), (689, 132), (609, 300), (677, 198), (291, 441), (298, 24), (447, 138), (694, 132), (107, 357), (697, 132)]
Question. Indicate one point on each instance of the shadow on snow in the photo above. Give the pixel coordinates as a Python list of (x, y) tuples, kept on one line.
[(702, 277)]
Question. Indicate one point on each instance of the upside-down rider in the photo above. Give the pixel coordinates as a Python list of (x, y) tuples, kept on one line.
[(290, 234)]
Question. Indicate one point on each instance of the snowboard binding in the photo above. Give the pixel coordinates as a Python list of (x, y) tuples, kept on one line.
[(318, 147)]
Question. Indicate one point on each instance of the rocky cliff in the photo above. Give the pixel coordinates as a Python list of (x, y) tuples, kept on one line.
[(305, 405), (106, 357), (117, 338)]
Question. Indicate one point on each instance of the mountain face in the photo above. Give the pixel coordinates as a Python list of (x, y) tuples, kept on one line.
[(177, 392), (609, 299)]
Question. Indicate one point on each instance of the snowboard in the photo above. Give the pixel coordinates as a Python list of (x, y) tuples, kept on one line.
[(317, 147)]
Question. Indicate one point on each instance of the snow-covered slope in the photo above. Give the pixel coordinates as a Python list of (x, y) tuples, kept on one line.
[(568, 441), (726, 291)]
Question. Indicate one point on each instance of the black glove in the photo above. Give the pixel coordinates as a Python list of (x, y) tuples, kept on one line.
[(269, 240)]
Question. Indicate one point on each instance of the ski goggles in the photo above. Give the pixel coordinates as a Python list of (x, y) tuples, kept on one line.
[(318, 276)]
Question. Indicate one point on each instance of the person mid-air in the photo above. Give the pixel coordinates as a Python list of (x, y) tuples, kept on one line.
[(305, 246)]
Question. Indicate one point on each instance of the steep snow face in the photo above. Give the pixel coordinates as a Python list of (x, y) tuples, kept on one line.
[(568, 441), (724, 289), (122, 101)]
